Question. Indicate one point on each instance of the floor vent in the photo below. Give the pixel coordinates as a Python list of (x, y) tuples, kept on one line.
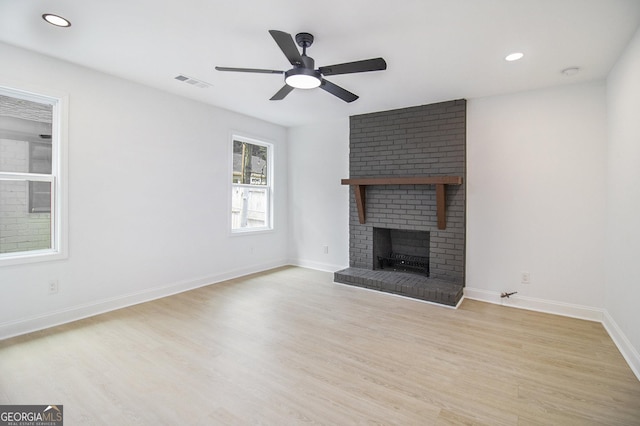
[(193, 81)]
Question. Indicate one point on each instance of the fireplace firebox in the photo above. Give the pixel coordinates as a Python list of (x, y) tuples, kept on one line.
[(401, 250)]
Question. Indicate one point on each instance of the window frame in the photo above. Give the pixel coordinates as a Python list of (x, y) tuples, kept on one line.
[(58, 177), (269, 187)]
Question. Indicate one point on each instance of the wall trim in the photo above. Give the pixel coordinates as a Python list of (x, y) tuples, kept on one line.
[(74, 313), (319, 266), (629, 353), (534, 304)]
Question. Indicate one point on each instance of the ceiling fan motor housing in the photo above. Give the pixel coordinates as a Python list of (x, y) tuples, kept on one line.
[(304, 40), (308, 62), (299, 75)]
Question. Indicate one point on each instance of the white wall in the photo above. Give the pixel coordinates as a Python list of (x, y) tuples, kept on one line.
[(318, 203), (149, 177), (622, 296), (536, 174)]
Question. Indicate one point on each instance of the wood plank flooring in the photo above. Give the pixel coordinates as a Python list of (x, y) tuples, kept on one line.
[(288, 346)]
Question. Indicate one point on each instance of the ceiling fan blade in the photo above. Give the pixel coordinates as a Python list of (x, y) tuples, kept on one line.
[(377, 64), (338, 91), (286, 89), (288, 46), (255, 70)]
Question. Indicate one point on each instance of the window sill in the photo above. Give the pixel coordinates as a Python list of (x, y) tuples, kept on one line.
[(35, 256), (251, 231)]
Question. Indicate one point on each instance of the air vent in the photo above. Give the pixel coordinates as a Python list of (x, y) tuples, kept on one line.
[(193, 81)]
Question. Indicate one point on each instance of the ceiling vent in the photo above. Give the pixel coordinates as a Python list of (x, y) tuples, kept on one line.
[(193, 81)]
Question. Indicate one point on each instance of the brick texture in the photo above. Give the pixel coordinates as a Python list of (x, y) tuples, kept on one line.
[(428, 140)]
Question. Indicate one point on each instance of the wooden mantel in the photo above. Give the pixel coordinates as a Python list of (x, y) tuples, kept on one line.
[(360, 186)]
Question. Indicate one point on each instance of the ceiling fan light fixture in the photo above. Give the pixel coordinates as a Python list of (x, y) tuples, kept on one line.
[(302, 78)]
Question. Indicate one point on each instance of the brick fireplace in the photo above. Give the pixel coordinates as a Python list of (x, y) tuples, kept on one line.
[(426, 142)]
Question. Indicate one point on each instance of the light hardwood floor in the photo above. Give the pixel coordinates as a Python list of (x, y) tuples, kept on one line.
[(290, 347)]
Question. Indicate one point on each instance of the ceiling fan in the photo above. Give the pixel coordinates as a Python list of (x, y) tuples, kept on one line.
[(303, 75)]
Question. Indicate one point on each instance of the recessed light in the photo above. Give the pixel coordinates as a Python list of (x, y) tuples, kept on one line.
[(571, 71), (56, 20), (514, 56)]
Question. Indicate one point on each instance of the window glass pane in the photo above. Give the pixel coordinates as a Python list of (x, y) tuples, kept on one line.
[(249, 207), (249, 163), (39, 197), (40, 157), (25, 136), (21, 230)]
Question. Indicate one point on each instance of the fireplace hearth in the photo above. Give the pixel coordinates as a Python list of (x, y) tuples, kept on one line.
[(415, 286)]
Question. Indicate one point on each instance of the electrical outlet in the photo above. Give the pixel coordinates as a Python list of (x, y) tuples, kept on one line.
[(53, 286), (525, 278), (325, 249)]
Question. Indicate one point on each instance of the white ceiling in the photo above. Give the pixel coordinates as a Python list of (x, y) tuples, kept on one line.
[(436, 50)]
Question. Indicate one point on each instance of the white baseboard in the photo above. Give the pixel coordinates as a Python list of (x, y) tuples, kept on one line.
[(533, 304), (319, 266), (625, 347), (51, 319)]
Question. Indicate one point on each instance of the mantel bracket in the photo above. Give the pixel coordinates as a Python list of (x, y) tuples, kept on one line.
[(360, 186)]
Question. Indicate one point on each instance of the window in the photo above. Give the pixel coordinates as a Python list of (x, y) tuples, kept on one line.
[(30, 164), (251, 187)]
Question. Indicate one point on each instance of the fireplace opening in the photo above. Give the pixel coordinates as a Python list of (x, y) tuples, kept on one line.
[(401, 250)]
